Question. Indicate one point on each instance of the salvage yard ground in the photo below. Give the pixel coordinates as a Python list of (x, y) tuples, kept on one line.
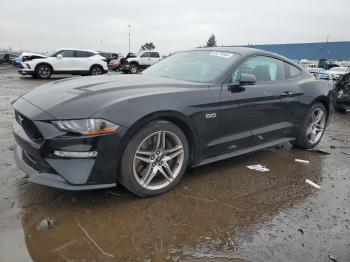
[(220, 212)]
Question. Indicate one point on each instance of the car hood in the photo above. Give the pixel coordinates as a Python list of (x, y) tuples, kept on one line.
[(82, 97)]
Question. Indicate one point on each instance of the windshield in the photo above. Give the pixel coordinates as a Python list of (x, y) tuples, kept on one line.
[(138, 53), (53, 53), (196, 66)]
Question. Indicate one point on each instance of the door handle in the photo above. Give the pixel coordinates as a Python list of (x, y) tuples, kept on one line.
[(287, 93)]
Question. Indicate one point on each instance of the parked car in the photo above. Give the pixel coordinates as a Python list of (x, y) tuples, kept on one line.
[(335, 72), (319, 73), (343, 89), (140, 61), (26, 57), (2, 57), (66, 61), (7, 57), (190, 109), (115, 64), (109, 56)]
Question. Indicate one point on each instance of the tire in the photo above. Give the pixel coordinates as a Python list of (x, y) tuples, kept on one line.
[(151, 167), (96, 70), (312, 123), (43, 71), (134, 68)]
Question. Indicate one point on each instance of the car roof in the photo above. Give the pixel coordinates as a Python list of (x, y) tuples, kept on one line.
[(78, 49), (148, 51), (247, 51)]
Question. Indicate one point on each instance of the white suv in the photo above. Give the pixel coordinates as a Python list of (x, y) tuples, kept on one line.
[(140, 60), (66, 61)]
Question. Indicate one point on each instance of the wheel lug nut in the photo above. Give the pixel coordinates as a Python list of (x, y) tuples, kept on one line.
[(160, 163), (158, 152), (153, 164)]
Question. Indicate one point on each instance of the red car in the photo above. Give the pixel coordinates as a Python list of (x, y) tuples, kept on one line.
[(115, 64)]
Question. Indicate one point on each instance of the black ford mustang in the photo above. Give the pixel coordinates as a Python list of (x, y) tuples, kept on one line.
[(190, 109)]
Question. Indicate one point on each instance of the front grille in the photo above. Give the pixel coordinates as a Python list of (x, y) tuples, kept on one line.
[(29, 127)]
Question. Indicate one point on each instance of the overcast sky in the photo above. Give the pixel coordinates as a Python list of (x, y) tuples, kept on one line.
[(171, 25)]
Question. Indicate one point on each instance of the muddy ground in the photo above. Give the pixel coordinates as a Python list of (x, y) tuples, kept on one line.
[(219, 212)]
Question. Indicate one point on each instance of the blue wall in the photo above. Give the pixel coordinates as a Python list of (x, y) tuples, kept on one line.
[(310, 51)]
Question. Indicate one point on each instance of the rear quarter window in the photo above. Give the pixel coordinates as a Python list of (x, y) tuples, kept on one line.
[(155, 54), (82, 54), (292, 71)]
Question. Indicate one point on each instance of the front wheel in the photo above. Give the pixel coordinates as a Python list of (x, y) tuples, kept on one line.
[(43, 71), (96, 70), (134, 68), (313, 127), (155, 159)]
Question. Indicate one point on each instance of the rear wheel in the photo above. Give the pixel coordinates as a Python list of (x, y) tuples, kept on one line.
[(43, 71), (155, 159), (313, 127)]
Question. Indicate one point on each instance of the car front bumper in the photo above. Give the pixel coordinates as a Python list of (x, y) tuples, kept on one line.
[(25, 72), (49, 179), (35, 156)]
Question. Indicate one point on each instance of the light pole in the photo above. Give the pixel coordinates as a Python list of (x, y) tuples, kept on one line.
[(129, 37)]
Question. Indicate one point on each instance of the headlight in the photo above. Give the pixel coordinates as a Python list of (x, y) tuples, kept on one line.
[(87, 126)]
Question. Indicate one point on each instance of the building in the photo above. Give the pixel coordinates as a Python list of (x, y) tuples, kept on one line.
[(310, 51)]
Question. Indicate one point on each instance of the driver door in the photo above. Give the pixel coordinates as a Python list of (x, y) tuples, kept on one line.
[(64, 61), (254, 113), (146, 59)]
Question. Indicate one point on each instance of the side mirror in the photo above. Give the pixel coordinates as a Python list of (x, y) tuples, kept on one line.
[(247, 79), (59, 56)]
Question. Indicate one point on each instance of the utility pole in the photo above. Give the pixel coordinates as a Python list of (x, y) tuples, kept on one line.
[(101, 45), (129, 37)]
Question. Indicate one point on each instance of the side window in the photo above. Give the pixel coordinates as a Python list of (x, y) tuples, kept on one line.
[(265, 69), (82, 54), (66, 53), (155, 54), (146, 54), (292, 71)]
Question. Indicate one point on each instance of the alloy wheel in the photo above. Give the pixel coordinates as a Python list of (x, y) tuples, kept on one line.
[(158, 160), (316, 125), (96, 71), (133, 69), (44, 72)]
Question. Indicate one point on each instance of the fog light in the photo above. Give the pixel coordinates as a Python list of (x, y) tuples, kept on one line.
[(70, 154)]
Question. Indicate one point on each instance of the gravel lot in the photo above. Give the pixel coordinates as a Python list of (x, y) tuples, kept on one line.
[(219, 212)]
